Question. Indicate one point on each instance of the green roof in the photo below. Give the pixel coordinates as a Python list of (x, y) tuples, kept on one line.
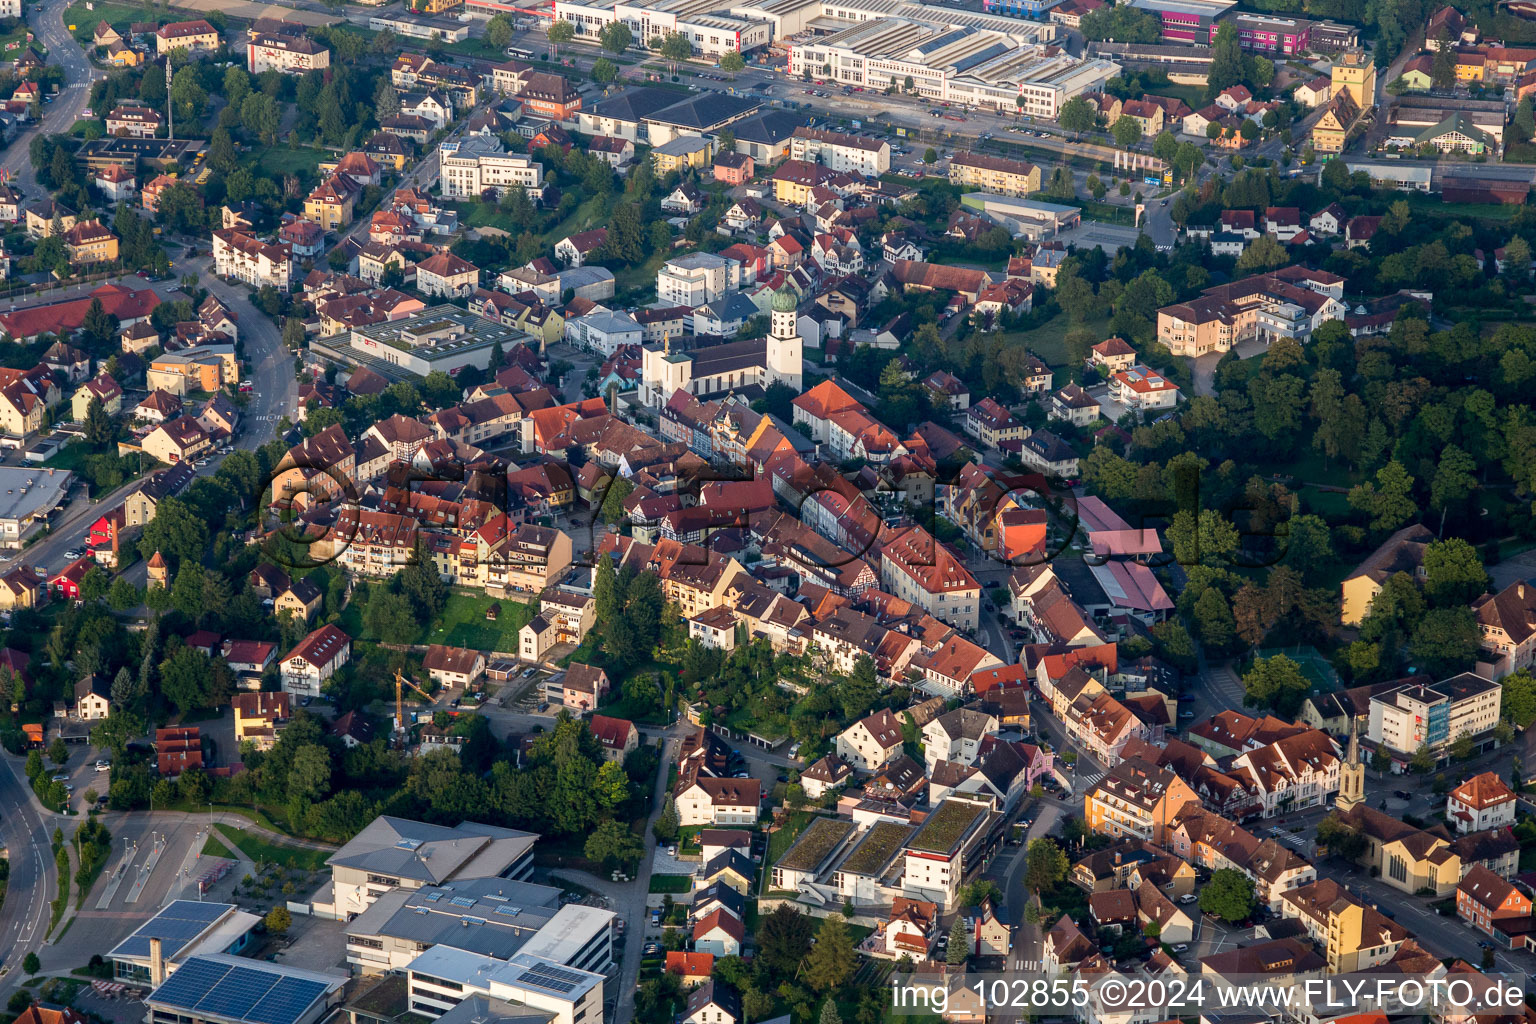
[(1456, 123), (876, 849), (946, 826), (818, 840)]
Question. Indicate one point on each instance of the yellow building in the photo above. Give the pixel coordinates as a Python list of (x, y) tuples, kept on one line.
[(192, 36), (90, 242), (1354, 72), (330, 204), (1136, 799), (1404, 857), (434, 6), (1331, 132), (1355, 937), (1401, 552), (122, 57), (682, 153), (1470, 66), (995, 174)]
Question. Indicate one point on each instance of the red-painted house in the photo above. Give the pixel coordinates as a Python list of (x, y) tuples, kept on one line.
[(103, 538), (178, 749), (67, 583)]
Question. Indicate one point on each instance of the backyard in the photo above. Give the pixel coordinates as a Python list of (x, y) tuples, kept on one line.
[(461, 624), (276, 161)]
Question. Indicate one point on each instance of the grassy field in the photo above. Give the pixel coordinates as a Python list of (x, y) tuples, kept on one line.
[(1194, 95), (119, 16), (671, 883), (260, 850), (213, 848), (276, 161), (1049, 340), (463, 623)]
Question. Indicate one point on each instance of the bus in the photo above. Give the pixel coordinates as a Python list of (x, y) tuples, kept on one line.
[(519, 53)]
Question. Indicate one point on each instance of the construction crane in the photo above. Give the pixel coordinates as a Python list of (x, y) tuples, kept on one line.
[(400, 683)]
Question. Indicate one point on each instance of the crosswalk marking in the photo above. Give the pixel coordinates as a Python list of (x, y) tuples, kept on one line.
[(1290, 838), (1089, 781)]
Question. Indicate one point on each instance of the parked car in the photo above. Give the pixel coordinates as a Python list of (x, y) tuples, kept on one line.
[(1182, 947), (103, 766), (1188, 897)]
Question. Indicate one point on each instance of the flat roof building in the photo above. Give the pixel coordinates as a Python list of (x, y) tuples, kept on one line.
[(185, 928), (25, 496), (440, 337)]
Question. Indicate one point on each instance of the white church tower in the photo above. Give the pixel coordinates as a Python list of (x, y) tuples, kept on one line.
[(784, 346)]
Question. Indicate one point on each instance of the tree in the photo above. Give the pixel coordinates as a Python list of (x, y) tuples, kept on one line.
[(1442, 70), (1166, 146), (1454, 573), (1045, 865), (1228, 895), (615, 37), (732, 62), (667, 822), (1342, 840), (98, 425), (1445, 641), (560, 32), (1127, 131), (279, 920), (611, 843), (58, 752), (1077, 116), (959, 941), (1275, 683), (30, 964), (1263, 253), (604, 71), (498, 31), (831, 960), (783, 936), (1518, 701), (930, 155), (676, 46), (829, 1014), (388, 614), (1388, 501), (1227, 67)]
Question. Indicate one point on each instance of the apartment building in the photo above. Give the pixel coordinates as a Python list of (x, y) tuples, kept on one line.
[(916, 567), (317, 657), (286, 48), (840, 151), (243, 257), (1354, 936), (1508, 624), (1433, 715), (994, 174), (696, 278), (90, 241), (945, 850), (1136, 799), (469, 167), (195, 36), (132, 121), (1291, 303)]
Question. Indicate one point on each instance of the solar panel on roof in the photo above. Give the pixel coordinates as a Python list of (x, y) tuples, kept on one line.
[(551, 978), (434, 896), (463, 901), (238, 993), (509, 910)]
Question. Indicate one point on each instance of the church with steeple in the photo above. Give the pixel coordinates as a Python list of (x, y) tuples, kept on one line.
[(1351, 774), (744, 368)]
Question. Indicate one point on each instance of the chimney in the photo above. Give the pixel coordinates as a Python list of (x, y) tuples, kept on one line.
[(156, 963), (1520, 591)]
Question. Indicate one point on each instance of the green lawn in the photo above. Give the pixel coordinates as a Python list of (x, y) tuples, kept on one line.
[(1194, 95), (276, 161), (462, 624), (213, 848), (260, 850), (119, 16), (1049, 340), (671, 883)]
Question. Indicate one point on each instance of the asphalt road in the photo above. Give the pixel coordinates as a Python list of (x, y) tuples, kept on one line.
[(60, 114), (32, 885)]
